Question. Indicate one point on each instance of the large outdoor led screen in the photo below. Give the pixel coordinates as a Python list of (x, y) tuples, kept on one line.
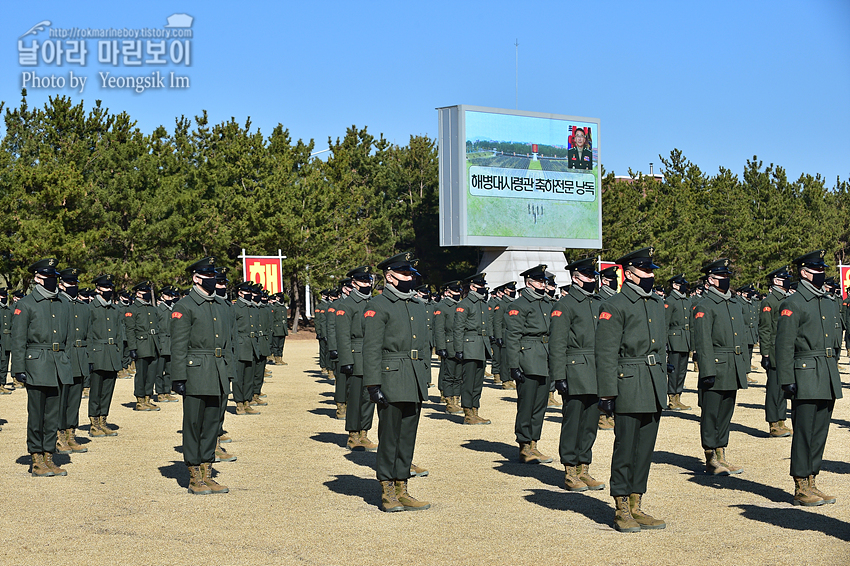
[(510, 178)]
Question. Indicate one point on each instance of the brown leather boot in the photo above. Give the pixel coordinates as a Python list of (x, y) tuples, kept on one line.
[(646, 522), (408, 501), (94, 429), (141, 405), (61, 443), (151, 405), (713, 465), (244, 408), (540, 456), (196, 481), (417, 472), (340, 411), (48, 461), (529, 456), (443, 398), (671, 403), (815, 491), (605, 423), (85, 393), (571, 480), (259, 401), (39, 468), (553, 401), (583, 471), (777, 431), (104, 427), (508, 384), (222, 455), (623, 520), (71, 440), (389, 501), (803, 494), (468, 417), (367, 444), (453, 406), (206, 477), (682, 406), (497, 379), (224, 439), (481, 420), (721, 457), (353, 442), (785, 427)]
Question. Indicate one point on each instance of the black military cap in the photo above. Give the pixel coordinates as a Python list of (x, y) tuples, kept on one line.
[(345, 282), (795, 284), (399, 262), (333, 293), (143, 286), (509, 285), (103, 280), (246, 286), (4, 292), (538, 272), (781, 273), (362, 273), (585, 266), (46, 267), (125, 294), (565, 288), (478, 279), (678, 279), (812, 259), (205, 265), (609, 272), (550, 278), (831, 282), (256, 288), (71, 274), (453, 285), (423, 289), (19, 294), (719, 267), (221, 274), (642, 259), (170, 290)]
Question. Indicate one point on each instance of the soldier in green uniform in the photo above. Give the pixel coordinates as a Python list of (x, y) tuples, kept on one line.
[(321, 336), (202, 362), (105, 348), (608, 282), (264, 319), (509, 295), (396, 377), (142, 322), (572, 365), (71, 395), (247, 348), (630, 340), (496, 321), (527, 356), (720, 337), (123, 303), (677, 313), (359, 410), (450, 379), (226, 312), (471, 335), (807, 369), (775, 403), (340, 380), (280, 330), (41, 338), (5, 340), (168, 296)]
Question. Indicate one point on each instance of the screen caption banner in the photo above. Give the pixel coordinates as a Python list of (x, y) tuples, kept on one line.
[(531, 184)]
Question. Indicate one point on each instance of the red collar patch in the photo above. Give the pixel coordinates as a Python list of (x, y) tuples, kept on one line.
[(604, 316), (557, 313), (513, 312), (786, 312), (177, 315), (368, 314), (699, 315)]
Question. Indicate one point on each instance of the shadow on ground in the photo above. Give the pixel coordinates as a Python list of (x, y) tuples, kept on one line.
[(510, 464), (591, 507), (346, 484), (797, 519)]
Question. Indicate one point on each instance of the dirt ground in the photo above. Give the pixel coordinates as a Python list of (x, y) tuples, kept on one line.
[(297, 495)]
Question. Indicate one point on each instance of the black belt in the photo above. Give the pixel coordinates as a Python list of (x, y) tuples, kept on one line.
[(107, 341), (580, 352), (541, 339), (411, 355), (736, 350), (649, 360), (79, 343), (827, 353), (214, 352), (55, 346)]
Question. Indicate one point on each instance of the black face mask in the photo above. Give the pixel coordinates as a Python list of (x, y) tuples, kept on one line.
[(4, 300), (146, 296), (367, 290), (612, 284), (818, 279), (510, 294), (588, 286), (786, 283), (646, 283), (50, 283), (405, 286), (221, 292), (72, 290), (723, 284), (208, 285), (550, 292)]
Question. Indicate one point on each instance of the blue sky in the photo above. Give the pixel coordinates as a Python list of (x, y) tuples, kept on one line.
[(721, 81)]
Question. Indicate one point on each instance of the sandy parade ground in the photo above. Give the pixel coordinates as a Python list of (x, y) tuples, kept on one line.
[(298, 496)]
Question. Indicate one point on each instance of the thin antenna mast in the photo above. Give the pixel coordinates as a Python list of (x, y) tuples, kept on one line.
[(516, 45)]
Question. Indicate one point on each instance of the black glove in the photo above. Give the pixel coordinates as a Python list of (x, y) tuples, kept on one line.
[(319, 338), (134, 355), (442, 353), (671, 368), (377, 396), (179, 387), (22, 377), (324, 339), (459, 356), (347, 369), (765, 363), (334, 354), (500, 343), (789, 390), (562, 387), (706, 382), (91, 368), (492, 340), (606, 406), (517, 375)]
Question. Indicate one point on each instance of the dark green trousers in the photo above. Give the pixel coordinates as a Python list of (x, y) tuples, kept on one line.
[(70, 398), (810, 419), (472, 374), (243, 385), (201, 426), (163, 375), (145, 377), (717, 409), (496, 363), (4, 366), (340, 385), (532, 397), (775, 403), (397, 426), (323, 354), (579, 423), (259, 376), (360, 410), (634, 443), (100, 393), (676, 380), (223, 410), (452, 378), (277, 345), (43, 414)]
